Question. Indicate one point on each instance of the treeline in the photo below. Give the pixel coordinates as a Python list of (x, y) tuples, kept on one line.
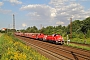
[(8, 30), (79, 29)]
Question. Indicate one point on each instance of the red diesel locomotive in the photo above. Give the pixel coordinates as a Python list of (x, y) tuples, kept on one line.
[(58, 39)]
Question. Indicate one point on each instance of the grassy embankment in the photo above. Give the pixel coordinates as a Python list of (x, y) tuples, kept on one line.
[(78, 46), (78, 40), (0, 34), (12, 49)]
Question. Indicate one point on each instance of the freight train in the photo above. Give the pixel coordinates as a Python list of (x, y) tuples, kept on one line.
[(55, 38)]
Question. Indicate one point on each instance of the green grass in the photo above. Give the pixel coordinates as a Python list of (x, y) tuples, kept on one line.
[(88, 41), (78, 46), (12, 49), (0, 34), (79, 40)]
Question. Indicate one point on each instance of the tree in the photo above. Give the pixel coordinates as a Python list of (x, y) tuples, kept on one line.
[(88, 34), (86, 25), (32, 29)]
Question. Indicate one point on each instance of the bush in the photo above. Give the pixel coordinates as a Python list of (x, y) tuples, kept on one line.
[(88, 34), (12, 49)]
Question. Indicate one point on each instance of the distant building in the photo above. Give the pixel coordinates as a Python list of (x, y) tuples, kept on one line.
[(3, 29)]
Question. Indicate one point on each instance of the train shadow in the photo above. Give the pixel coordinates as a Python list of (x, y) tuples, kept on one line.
[(52, 42), (75, 57)]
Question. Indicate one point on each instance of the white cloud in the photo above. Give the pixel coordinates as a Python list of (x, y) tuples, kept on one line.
[(53, 12), (57, 3), (5, 11), (1, 3), (59, 23), (40, 12), (66, 9), (58, 12), (14, 2), (24, 25), (34, 16)]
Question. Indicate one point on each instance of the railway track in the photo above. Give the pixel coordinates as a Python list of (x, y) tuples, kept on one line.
[(57, 51), (88, 45), (55, 55)]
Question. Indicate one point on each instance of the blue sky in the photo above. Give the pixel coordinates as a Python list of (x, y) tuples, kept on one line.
[(46, 12)]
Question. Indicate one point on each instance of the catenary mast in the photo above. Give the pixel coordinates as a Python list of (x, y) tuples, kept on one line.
[(13, 21)]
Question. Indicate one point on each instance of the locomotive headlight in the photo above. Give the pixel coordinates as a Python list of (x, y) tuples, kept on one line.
[(59, 38), (46, 36)]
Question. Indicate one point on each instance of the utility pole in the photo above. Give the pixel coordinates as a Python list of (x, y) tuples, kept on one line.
[(41, 28), (70, 28), (13, 21)]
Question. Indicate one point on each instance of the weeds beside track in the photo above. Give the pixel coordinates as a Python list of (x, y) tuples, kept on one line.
[(66, 52), (12, 49)]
